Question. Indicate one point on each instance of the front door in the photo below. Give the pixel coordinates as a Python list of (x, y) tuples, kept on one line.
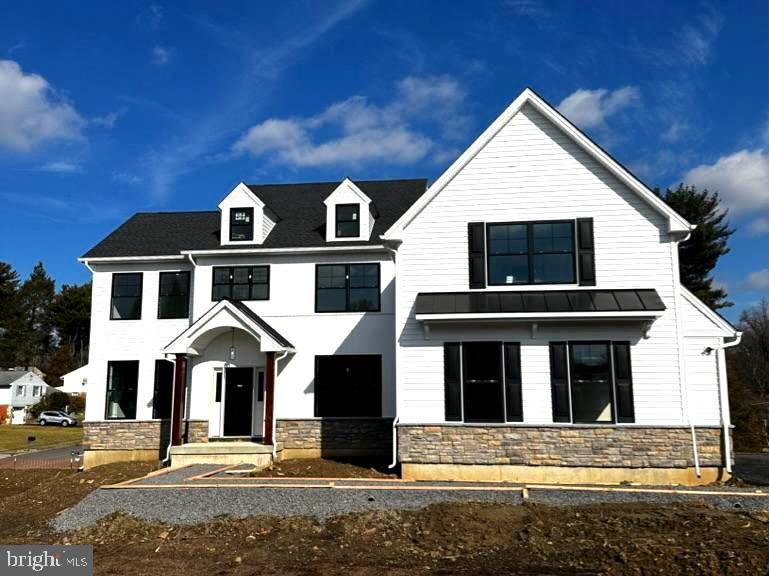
[(238, 401)]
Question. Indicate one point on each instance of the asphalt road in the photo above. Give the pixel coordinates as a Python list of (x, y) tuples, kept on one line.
[(46, 458)]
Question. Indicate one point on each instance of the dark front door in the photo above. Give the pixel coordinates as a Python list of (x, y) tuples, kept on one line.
[(238, 401)]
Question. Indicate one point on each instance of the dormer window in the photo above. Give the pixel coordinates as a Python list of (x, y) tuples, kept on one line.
[(347, 220), (241, 224)]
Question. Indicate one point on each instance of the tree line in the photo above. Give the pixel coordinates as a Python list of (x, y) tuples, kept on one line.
[(40, 326)]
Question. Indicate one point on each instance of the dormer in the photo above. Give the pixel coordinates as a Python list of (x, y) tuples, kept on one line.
[(245, 218), (350, 214)]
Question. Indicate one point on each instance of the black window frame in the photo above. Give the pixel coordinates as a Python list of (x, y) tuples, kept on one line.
[(161, 296), (231, 283), (156, 391), (376, 411), (337, 220), (511, 408), (248, 210), (531, 253), (348, 287), (116, 275), (109, 389), (621, 413)]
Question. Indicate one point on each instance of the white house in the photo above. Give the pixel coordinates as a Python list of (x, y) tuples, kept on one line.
[(520, 319), (75, 383), (20, 388)]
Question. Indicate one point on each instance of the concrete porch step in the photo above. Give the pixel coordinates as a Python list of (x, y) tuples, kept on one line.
[(224, 453)]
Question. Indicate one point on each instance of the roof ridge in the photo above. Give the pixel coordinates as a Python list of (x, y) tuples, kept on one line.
[(330, 182)]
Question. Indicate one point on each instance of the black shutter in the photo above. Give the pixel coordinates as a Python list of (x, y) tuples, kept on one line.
[(476, 248), (559, 382), (453, 381), (512, 356), (623, 382), (585, 252)]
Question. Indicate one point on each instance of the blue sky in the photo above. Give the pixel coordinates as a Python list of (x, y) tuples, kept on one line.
[(111, 108)]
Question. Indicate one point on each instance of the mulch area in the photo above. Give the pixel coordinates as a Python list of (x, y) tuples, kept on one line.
[(468, 538), (327, 468)]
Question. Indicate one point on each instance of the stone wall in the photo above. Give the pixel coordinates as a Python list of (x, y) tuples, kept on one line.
[(197, 431), (127, 435), (589, 446), (363, 435)]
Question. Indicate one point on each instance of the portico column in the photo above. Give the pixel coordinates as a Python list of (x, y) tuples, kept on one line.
[(180, 378), (269, 392)]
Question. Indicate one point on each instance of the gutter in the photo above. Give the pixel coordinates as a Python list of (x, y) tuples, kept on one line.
[(723, 394)]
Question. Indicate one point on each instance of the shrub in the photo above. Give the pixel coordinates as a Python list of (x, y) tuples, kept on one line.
[(53, 401)]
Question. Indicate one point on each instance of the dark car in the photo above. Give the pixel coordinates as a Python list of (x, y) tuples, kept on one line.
[(56, 417)]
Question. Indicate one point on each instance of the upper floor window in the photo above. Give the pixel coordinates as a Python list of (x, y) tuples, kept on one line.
[(241, 283), (347, 288), (174, 295), (531, 253), (126, 296), (19, 390), (348, 220), (241, 224), (37, 391)]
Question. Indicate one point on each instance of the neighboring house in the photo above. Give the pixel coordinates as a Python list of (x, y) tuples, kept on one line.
[(521, 319), (20, 388), (75, 382)]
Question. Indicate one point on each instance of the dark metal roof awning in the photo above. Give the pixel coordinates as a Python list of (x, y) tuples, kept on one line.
[(529, 304)]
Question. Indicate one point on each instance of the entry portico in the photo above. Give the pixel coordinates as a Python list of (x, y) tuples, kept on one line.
[(227, 360)]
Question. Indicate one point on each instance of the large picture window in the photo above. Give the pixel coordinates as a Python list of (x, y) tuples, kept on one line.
[(126, 296), (348, 220), (164, 387), (531, 253), (241, 283), (174, 296), (348, 385), (483, 381), (241, 224), (591, 382), (122, 384), (347, 288)]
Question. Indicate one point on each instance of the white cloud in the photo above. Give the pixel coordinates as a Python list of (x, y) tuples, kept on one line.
[(62, 167), (30, 111), (696, 41), (675, 131), (126, 178), (591, 108), (108, 120), (162, 55), (742, 180), (758, 280), (759, 227), (150, 17), (362, 132)]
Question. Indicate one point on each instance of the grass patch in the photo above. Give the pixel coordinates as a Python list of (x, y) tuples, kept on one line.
[(14, 438)]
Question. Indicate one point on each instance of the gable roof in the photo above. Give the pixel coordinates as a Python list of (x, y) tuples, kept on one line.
[(299, 208), (8, 377), (675, 222), (719, 321)]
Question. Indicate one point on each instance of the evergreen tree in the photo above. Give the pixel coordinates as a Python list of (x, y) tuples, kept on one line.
[(708, 242), (62, 362), (11, 316), (71, 319), (37, 296)]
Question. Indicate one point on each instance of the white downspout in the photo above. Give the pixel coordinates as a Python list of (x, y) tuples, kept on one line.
[(275, 406), (87, 265), (723, 393), (394, 463), (685, 412)]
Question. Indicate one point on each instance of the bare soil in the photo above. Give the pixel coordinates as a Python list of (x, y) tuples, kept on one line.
[(327, 468), (443, 539)]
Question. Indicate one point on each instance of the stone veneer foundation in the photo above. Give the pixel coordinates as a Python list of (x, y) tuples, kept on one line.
[(312, 438), (592, 453)]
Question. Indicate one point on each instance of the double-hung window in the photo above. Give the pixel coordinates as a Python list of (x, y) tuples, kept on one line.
[(347, 220), (122, 385), (531, 253), (348, 385), (126, 296), (241, 224), (347, 288), (163, 391), (591, 382), (241, 283), (174, 295), (483, 381)]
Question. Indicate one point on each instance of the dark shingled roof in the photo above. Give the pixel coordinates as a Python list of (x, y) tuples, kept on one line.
[(299, 208), (279, 338), (529, 301)]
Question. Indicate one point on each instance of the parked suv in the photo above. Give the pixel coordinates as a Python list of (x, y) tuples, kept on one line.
[(56, 417)]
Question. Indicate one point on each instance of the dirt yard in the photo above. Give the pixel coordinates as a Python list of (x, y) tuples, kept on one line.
[(13, 438), (442, 539), (325, 468)]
